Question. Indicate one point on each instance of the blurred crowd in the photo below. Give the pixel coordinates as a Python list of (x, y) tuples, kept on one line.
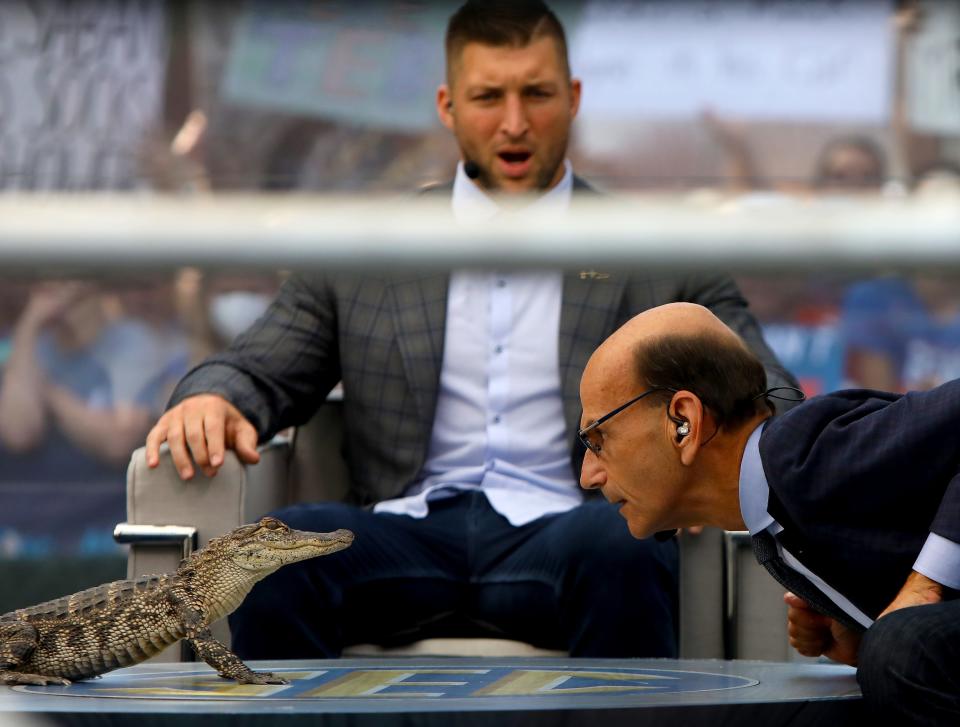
[(86, 365)]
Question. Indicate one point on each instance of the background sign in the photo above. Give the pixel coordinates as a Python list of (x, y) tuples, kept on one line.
[(816, 60), (367, 63), (80, 84), (933, 69)]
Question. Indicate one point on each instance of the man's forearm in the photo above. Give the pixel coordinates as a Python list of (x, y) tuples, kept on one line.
[(109, 435), (22, 408)]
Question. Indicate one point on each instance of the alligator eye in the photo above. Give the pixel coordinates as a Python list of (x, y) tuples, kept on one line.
[(271, 523)]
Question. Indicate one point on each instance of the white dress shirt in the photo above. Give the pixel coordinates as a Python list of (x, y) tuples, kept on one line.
[(499, 426)]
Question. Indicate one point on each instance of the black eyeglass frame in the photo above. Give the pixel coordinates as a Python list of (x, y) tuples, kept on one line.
[(582, 433), (798, 396)]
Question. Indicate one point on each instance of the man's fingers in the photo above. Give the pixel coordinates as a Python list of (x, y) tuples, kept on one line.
[(215, 433), (810, 649), (804, 618), (245, 441), (199, 430), (808, 631), (809, 642), (176, 440), (794, 601), (156, 437), (196, 437)]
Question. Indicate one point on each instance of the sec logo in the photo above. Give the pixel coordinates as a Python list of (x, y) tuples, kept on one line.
[(399, 682)]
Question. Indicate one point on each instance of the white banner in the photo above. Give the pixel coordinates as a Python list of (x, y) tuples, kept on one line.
[(933, 70), (80, 83), (814, 60)]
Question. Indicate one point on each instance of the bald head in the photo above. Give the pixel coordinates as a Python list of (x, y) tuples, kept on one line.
[(680, 346), (616, 356)]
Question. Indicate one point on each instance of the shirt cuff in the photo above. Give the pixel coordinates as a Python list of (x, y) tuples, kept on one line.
[(939, 560)]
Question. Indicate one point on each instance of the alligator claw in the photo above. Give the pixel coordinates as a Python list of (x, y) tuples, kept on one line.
[(40, 680), (262, 677)]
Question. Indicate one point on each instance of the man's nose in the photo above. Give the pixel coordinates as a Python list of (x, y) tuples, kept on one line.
[(514, 123), (592, 473)]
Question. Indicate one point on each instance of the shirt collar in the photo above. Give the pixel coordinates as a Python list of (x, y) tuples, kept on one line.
[(472, 204), (754, 491)]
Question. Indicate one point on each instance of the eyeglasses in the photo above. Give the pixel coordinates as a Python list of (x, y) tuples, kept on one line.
[(589, 435)]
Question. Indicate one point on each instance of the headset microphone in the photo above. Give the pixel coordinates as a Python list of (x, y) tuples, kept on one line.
[(471, 169)]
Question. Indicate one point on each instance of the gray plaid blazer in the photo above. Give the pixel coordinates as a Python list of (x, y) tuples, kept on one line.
[(383, 337)]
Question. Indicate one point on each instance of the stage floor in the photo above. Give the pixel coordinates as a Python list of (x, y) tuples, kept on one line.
[(460, 691)]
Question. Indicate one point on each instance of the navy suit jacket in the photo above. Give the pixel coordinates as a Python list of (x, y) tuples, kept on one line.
[(858, 479)]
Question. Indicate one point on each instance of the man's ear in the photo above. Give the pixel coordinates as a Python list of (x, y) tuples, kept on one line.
[(445, 106), (575, 90), (686, 415)]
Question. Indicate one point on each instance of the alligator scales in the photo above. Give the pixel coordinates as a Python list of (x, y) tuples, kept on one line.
[(125, 622)]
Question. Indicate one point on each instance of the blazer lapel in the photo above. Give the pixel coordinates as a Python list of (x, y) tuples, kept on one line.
[(588, 313), (419, 307)]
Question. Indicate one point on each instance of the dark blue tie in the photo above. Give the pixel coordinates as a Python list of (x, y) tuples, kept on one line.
[(765, 548)]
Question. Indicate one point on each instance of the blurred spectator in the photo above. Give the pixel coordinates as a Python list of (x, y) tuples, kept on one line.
[(904, 333), (799, 313), (941, 179), (12, 296), (83, 381), (87, 370), (215, 307), (850, 164)]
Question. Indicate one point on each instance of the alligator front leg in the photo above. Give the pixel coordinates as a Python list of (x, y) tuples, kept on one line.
[(228, 664), (18, 639)]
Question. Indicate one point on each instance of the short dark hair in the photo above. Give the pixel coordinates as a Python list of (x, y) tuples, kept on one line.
[(726, 375), (503, 23), (866, 145)]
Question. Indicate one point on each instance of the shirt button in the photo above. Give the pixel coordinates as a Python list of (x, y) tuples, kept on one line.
[(498, 349), (501, 283), (496, 420)]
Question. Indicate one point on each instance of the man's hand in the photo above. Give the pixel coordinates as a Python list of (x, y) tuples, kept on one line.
[(813, 634), (199, 429), (918, 590)]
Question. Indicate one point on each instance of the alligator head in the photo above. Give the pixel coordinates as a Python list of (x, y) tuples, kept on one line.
[(270, 544)]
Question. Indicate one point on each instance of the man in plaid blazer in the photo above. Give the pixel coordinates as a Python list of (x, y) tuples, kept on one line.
[(852, 498), (460, 406)]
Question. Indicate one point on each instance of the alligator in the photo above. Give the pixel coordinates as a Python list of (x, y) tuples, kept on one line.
[(125, 622)]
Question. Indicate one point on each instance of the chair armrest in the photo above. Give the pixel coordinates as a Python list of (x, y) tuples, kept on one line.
[(730, 607), (212, 505), (754, 612), (701, 595)]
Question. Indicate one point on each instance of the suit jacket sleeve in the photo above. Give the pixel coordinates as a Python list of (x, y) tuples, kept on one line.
[(280, 370), (721, 295), (884, 465)]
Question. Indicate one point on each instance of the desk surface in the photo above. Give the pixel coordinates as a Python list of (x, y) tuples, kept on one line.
[(425, 686)]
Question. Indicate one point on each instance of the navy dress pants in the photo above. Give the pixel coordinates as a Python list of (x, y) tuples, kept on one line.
[(909, 666), (577, 581)]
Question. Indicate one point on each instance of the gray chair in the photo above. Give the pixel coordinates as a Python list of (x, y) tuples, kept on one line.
[(729, 606)]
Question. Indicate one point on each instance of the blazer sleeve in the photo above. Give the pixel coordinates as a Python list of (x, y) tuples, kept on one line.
[(884, 461), (280, 370), (721, 295)]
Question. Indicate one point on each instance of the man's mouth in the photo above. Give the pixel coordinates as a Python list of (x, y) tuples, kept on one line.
[(515, 163)]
